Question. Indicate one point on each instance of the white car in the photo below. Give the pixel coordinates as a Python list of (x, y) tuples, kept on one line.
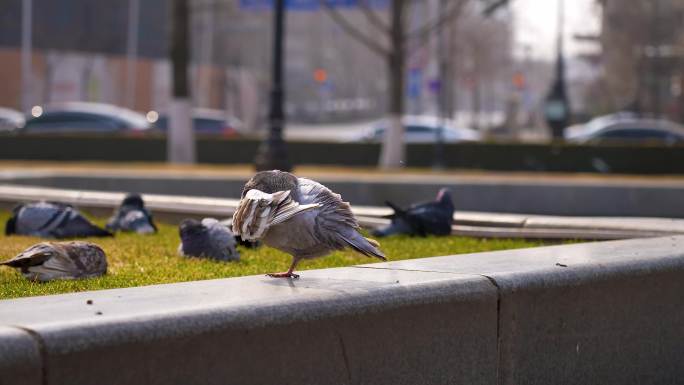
[(626, 129), (421, 129), (11, 120)]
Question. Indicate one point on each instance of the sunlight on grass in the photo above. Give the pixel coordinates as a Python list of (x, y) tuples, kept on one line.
[(137, 260)]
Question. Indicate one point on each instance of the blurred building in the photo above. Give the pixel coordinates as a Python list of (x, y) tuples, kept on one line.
[(642, 57), (80, 53)]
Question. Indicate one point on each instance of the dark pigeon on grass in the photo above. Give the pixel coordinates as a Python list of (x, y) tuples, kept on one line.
[(132, 216), (48, 261), (207, 239), (51, 220), (422, 219)]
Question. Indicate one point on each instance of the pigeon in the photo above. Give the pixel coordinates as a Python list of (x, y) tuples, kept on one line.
[(132, 216), (298, 216), (422, 219), (207, 239), (49, 261), (51, 220), (238, 239)]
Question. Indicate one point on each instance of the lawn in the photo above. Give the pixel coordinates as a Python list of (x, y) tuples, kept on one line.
[(136, 260)]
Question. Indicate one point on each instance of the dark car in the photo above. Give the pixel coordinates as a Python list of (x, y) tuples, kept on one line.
[(630, 131), (82, 117), (205, 122)]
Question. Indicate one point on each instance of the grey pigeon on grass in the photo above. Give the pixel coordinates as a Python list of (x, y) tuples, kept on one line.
[(132, 216), (298, 216), (49, 261), (51, 220), (422, 219), (207, 239)]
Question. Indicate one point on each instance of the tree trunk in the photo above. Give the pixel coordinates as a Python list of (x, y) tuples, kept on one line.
[(393, 149), (180, 142)]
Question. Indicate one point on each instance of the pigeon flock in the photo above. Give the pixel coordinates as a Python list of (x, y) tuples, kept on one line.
[(298, 216)]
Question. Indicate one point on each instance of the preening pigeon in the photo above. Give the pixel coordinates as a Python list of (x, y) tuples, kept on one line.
[(422, 219), (48, 261), (207, 239), (132, 216), (51, 220), (298, 216), (241, 242)]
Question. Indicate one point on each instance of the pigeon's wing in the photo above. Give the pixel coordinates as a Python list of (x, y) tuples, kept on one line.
[(33, 256), (71, 260), (335, 222), (150, 219), (138, 221), (76, 225), (40, 219), (252, 219)]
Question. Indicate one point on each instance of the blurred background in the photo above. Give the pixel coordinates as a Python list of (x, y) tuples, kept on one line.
[(588, 72)]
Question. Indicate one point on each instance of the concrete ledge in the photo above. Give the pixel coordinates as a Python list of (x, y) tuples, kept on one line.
[(475, 224), (609, 313), (333, 326), (604, 313), (20, 359)]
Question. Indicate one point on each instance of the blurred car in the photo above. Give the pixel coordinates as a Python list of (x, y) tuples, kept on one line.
[(85, 117), (205, 122), (628, 130), (11, 120), (420, 129), (597, 123)]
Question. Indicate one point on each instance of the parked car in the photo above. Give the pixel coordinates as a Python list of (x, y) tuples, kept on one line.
[(625, 129), (85, 117), (11, 120), (205, 122), (420, 129)]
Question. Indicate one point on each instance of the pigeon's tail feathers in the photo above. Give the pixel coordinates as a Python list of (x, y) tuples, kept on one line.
[(398, 211), (365, 246), (11, 225)]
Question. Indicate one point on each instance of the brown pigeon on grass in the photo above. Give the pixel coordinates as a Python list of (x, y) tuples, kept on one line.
[(49, 261)]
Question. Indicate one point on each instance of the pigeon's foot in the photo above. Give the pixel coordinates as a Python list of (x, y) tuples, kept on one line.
[(287, 274)]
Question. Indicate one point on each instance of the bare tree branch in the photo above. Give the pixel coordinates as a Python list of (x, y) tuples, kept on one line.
[(353, 31), (373, 18), (491, 8), (425, 31)]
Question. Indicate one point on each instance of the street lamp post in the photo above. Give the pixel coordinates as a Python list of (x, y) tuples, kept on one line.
[(557, 106), (272, 153)]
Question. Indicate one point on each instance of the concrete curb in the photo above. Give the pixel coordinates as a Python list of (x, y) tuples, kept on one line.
[(609, 313), (477, 224)]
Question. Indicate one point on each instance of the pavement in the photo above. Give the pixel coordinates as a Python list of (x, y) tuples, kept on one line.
[(11, 168)]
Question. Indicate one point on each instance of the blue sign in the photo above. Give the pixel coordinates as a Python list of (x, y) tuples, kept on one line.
[(309, 5), (414, 83)]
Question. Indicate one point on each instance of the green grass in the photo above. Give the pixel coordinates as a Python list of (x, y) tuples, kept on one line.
[(136, 260)]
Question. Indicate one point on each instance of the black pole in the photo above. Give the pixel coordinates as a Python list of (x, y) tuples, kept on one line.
[(272, 154), (557, 106)]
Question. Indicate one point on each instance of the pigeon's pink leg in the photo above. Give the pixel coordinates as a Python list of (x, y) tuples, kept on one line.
[(289, 273)]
